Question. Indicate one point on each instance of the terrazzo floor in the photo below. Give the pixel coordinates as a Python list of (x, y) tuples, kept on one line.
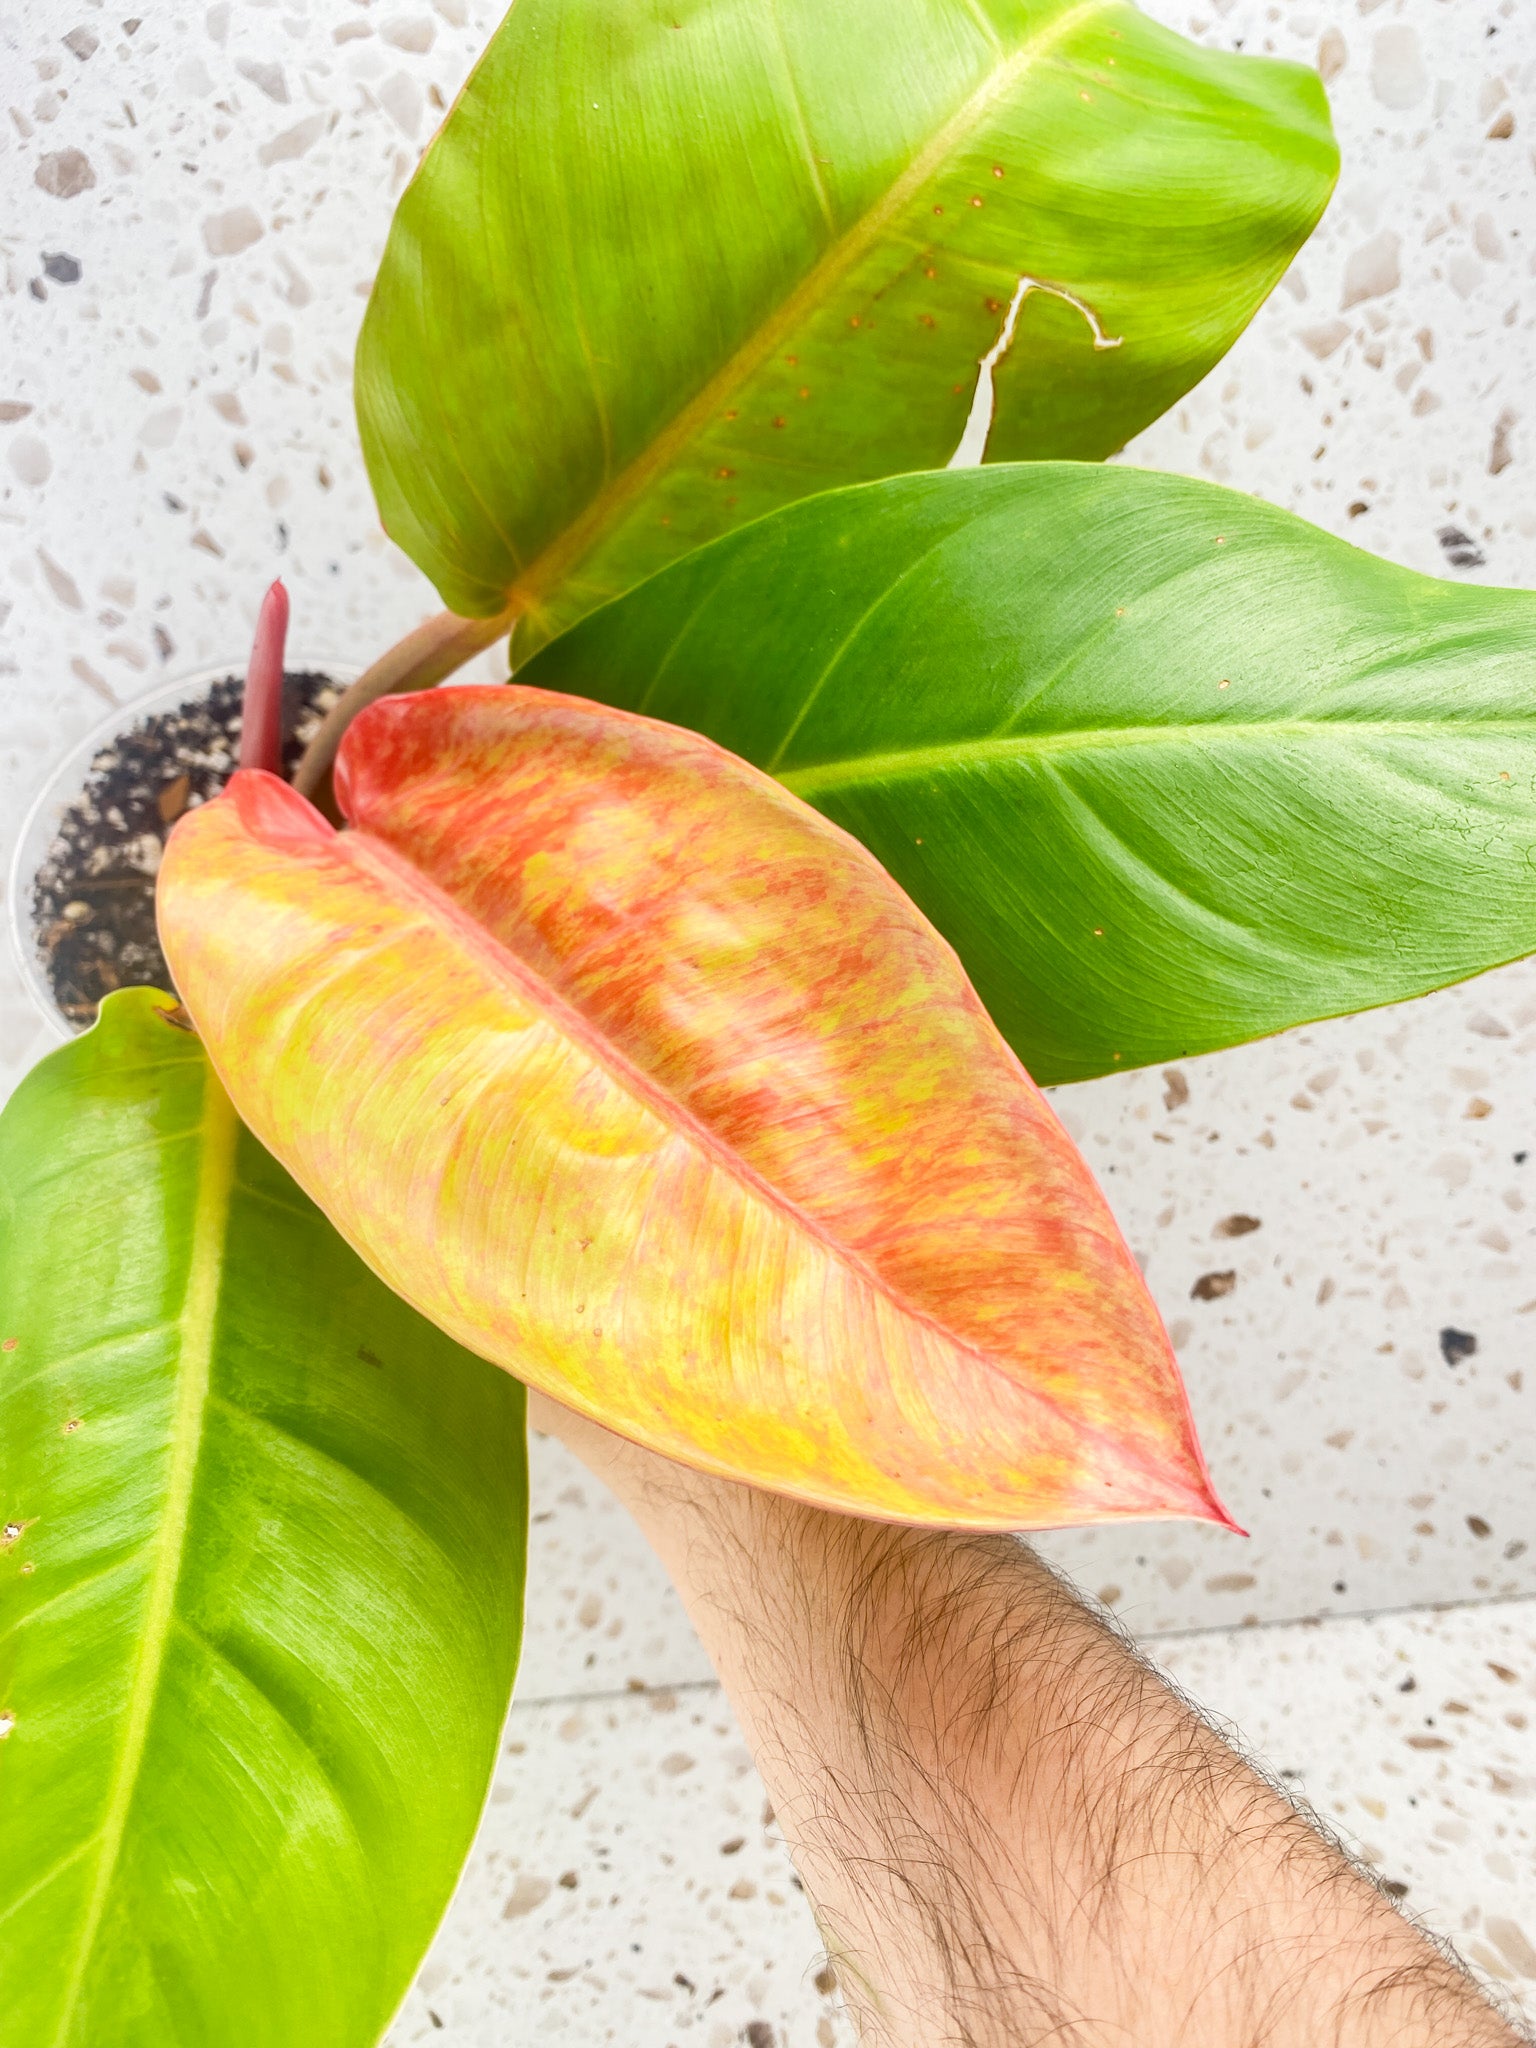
[(194, 204), (629, 1885)]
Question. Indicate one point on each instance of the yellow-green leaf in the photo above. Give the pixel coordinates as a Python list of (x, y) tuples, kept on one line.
[(261, 1557), (671, 264)]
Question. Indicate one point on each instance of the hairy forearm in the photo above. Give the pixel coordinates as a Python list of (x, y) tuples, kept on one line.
[(1013, 1831)]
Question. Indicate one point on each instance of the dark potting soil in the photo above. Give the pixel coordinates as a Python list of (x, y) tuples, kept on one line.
[(93, 900)]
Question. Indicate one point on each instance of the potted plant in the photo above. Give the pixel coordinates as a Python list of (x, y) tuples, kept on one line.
[(660, 1028), (83, 887)]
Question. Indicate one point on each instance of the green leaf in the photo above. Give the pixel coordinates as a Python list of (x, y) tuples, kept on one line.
[(672, 264), (1169, 768), (260, 1578)]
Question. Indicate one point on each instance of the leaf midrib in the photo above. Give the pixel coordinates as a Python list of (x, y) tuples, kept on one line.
[(205, 1271), (855, 769), (551, 565), (390, 865)]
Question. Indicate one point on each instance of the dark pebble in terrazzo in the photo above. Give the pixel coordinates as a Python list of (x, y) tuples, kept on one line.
[(93, 900), (1461, 550), (1237, 1226), (61, 268), (1455, 1345), (1212, 1286)]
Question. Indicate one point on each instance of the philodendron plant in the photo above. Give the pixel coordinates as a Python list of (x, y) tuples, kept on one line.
[(658, 1030)]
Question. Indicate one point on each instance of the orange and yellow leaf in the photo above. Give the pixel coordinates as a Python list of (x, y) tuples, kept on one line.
[(642, 1079)]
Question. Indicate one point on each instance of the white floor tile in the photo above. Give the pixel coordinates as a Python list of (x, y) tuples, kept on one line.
[(601, 1612), (1414, 1737), (626, 1888)]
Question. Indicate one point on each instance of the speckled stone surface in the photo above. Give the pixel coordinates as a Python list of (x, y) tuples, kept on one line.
[(627, 1887), (1412, 1737), (193, 207)]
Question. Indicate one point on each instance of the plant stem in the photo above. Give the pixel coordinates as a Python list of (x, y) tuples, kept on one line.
[(261, 728), (425, 656)]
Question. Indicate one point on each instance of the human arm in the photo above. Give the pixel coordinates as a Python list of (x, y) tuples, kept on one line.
[(1011, 1828)]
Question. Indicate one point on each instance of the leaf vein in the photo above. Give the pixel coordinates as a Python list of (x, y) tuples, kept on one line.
[(606, 507), (910, 761), (204, 1276)]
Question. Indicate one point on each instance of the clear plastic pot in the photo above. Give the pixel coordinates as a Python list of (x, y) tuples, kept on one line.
[(41, 824)]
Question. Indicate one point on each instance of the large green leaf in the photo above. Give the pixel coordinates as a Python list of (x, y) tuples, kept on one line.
[(260, 1578), (1168, 767), (671, 264)]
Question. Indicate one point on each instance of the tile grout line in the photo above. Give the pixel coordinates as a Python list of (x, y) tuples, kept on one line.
[(608, 1695), (1362, 1614)]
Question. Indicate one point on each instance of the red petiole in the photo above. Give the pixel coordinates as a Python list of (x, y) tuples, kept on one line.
[(261, 737)]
